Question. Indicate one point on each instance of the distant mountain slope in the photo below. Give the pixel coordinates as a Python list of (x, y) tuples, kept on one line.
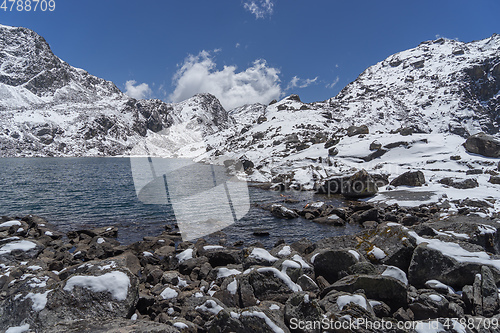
[(442, 85), (443, 88), (49, 108)]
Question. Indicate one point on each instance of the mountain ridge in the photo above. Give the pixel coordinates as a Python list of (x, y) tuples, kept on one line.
[(50, 108), (53, 109)]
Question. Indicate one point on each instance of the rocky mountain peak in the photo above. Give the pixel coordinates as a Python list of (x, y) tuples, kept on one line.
[(441, 85), (51, 108), (24, 54)]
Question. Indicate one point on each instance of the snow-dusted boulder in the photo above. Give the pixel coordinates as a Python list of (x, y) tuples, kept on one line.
[(359, 185), (15, 249), (483, 144), (378, 287), (330, 264), (455, 264), (410, 178), (94, 291)]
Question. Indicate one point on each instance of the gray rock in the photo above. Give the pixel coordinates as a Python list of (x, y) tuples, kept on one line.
[(483, 144), (330, 220), (359, 185), (460, 184), (247, 320), (223, 257), (330, 263), (429, 305), (365, 215), (302, 306), (94, 291), (229, 297), (378, 287), (267, 285), (485, 294), (375, 145), (376, 154), (380, 309), (292, 268), (494, 180), (307, 284), (428, 263), (117, 325), (187, 266), (331, 186), (395, 243), (281, 211), (224, 322), (257, 257), (333, 151), (410, 178), (339, 303), (110, 232), (14, 250), (331, 142), (356, 130)]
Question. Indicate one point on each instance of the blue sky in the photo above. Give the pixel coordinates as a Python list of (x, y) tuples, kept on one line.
[(246, 50)]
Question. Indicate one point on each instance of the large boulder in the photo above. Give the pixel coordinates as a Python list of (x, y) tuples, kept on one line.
[(330, 263), (409, 178), (331, 185), (269, 284), (14, 250), (483, 144), (94, 291), (460, 184), (356, 130), (450, 263), (359, 185), (378, 287)]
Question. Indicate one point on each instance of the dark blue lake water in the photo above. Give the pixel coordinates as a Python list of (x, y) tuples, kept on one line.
[(77, 193)]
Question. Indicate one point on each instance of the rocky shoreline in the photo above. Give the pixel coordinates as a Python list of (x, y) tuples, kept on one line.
[(409, 268)]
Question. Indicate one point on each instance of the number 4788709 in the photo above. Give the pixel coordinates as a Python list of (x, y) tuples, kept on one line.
[(28, 5)]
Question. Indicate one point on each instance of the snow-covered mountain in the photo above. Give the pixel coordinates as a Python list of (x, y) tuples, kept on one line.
[(418, 106), (412, 111), (441, 85), (49, 108)]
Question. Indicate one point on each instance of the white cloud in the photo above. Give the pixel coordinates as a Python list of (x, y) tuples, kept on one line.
[(137, 91), (260, 8), (300, 83), (331, 85), (237, 45), (198, 74)]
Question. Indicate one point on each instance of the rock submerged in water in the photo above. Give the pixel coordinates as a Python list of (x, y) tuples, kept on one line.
[(283, 212)]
